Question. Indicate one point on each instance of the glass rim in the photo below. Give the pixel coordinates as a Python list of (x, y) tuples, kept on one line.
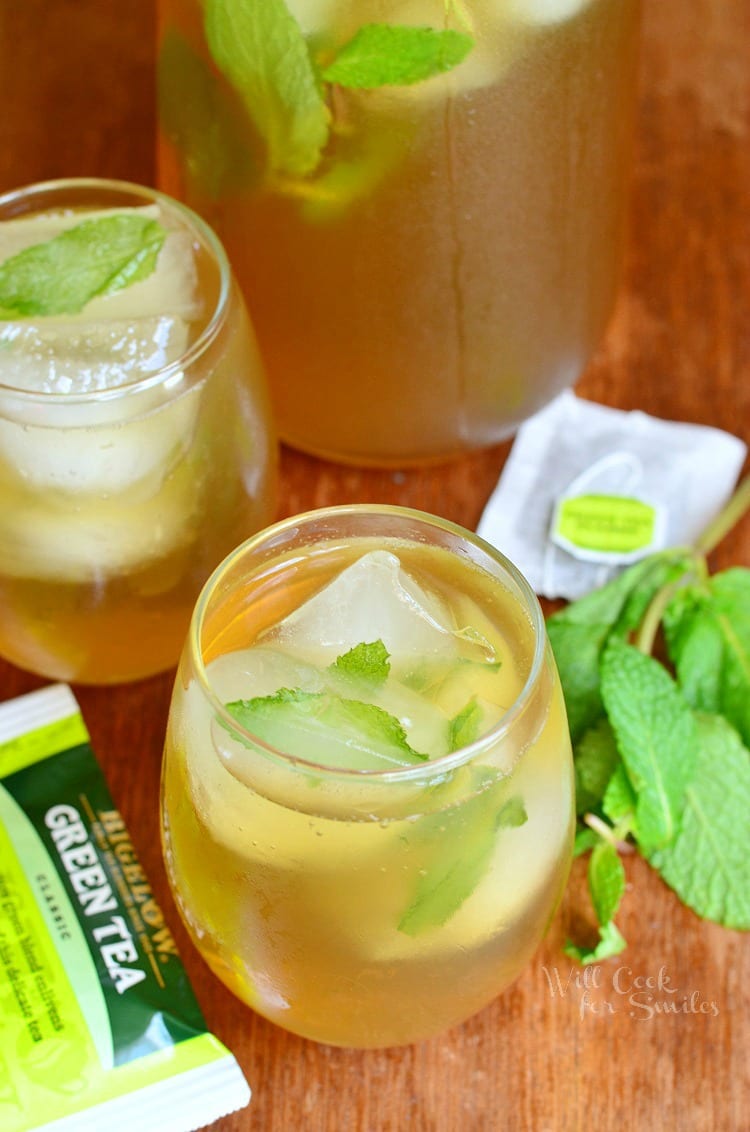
[(404, 774), (167, 375)]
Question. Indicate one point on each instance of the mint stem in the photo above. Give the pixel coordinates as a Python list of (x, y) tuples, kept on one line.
[(615, 836), (716, 530), (649, 627), (727, 518)]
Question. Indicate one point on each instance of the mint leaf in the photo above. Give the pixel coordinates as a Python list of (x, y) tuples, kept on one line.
[(579, 633), (585, 839), (708, 862), (200, 119), (384, 55), (369, 662), (619, 799), (465, 727), (461, 842), (260, 49), (610, 943), (606, 878), (708, 636), (595, 761), (606, 881), (656, 738), (328, 729), (96, 257)]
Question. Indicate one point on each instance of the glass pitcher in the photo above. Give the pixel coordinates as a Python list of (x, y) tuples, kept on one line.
[(423, 200)]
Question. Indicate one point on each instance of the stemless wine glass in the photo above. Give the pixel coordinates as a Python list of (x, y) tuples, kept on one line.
[(136, 447), (429, 250), (367, 795)]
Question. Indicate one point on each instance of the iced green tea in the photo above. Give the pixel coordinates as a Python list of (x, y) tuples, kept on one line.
[(135, 440), (429, 252), (367, 795)]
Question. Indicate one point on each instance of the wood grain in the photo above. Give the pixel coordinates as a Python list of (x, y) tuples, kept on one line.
[(76, 80)]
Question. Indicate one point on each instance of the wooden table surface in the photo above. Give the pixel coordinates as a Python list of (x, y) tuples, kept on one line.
[(76, 87)]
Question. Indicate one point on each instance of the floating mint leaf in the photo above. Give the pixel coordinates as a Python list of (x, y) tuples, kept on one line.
[(199, 119), (656, 738), (461, 842), (96, 257), (596, 760), (365, 661), (328, 729), (260, 49), (386, 55), (465, 727), (708, 635), (708, 863)]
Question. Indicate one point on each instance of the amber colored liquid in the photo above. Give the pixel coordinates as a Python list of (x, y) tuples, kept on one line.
[(97, 585), (295, 893), (473, 280)]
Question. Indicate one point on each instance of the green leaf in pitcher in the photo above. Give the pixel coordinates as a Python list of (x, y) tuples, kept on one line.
[(199, 118), (386, 55), (261, 51)]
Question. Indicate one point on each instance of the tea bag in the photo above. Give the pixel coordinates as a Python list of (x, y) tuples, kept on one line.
[(588, 489)]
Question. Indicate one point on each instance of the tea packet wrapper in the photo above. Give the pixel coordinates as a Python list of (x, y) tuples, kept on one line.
[(588, 489), (100, 1027)]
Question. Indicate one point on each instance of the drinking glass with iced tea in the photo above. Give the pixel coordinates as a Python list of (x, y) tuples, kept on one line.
[(367, 790), (424, 201), (135, 443)]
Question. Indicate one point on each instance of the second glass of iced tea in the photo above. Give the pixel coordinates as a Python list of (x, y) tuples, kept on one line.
[(367, 788), (423, 200), (136, 446)]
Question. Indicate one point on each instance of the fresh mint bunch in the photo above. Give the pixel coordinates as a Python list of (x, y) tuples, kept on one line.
[(661, 749)]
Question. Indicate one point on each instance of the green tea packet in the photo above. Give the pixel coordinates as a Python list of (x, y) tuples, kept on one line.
[(100, 1027)]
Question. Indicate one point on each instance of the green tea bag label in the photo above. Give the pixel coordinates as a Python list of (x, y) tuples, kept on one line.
[(606, 528), (100, 1026)]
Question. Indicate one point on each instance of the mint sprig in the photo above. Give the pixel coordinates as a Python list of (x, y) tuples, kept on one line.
[(285, 87), (96, 257), (662, 761)]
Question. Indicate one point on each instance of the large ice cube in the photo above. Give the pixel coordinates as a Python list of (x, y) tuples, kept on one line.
[(374, 599), (533, 12), (116, 340), (94, 540), (50, 356)]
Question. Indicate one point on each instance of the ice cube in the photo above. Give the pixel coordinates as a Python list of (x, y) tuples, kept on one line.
[(94, 540), (50, 356), (373, 599), (532, 12), (103, 460)]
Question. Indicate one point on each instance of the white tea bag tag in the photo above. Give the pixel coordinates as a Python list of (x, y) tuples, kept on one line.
[(604, 517)]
